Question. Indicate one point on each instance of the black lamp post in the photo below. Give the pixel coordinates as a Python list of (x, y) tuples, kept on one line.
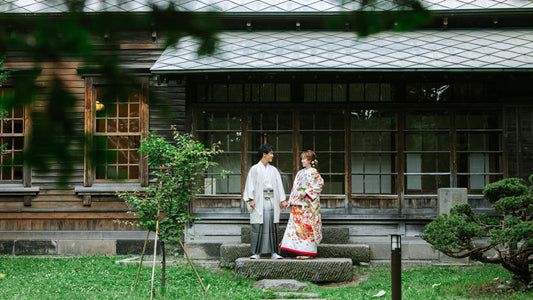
[(396, 266)]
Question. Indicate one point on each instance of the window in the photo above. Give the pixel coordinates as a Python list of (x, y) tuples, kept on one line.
[(12, 130), (342, 92), (373, 150), (324, 133), (274, 128), (249, 92), (118, 135), (325, 92), (370, 92), (393, 149), (12, 136), (428, 92), (479, 149), (223, 127), (427, 152), (117, 127)]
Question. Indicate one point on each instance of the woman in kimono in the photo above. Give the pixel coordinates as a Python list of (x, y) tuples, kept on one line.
[(304, 230)]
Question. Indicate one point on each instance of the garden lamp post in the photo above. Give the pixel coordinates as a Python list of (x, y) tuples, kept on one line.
[(396, 267)]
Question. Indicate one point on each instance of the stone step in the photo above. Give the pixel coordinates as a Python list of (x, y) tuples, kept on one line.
[(314, 270), (358, 253), (331, 235)]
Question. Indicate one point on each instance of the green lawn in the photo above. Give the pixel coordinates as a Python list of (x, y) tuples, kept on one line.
[(101, 278)]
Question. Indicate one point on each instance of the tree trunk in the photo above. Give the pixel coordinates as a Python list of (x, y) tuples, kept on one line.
[(521, 273)]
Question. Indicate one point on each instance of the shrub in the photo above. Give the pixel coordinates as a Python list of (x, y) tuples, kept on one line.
[(509, 238)]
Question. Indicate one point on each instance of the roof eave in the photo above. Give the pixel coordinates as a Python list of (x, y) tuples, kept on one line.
[(200, 71)]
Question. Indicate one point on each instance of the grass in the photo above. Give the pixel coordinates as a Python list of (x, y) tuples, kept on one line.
[(101, 278)]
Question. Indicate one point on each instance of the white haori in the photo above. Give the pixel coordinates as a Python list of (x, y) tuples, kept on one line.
[(261, 178)]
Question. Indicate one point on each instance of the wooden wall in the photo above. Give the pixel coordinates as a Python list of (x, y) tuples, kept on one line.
[(59, 207)]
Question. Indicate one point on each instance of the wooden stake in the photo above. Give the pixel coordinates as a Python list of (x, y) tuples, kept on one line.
[(155, 254), (141, 263), (197, 276)]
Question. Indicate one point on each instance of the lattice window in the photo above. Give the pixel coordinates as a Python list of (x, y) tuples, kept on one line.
[(239, 92), (374, 155), (223, 127), (117, 136), (274, 128), (427, 152), (324, 133), (479, 149), (12, 130)]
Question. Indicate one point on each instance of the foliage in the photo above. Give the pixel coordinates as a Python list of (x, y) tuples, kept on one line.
[(93, 40), (372, 17), (509, 238), (3, 110), (93, 277), (178, 168)]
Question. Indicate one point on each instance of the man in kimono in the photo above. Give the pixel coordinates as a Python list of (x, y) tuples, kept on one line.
[(264, 194)]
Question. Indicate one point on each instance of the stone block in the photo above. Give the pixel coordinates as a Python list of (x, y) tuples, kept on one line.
[(135, 247), (99, 247), (380, 251), (331, 235), (450, 197), (447, 260), (418, 251), (70, 247), (35, 247), (278, 284), (314, 270), (356, 252), (229, 253), (6, 247), (203, 250)]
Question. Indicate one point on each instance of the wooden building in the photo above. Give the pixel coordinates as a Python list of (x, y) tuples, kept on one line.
[(393, 117)]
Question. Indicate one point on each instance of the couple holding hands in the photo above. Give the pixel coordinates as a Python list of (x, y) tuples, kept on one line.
[(264, 197)]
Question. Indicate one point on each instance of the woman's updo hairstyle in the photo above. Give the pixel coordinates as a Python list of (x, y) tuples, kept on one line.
[(310, 155)]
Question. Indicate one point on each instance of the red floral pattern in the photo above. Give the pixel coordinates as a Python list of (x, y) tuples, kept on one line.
[(304, 230)]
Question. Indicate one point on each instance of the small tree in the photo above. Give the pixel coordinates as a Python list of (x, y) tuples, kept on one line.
[(509, 238), (178, 168)]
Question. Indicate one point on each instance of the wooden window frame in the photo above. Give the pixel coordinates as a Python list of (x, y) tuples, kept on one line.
[(26, 180), (380, 153), (227, 130), (91, 84), (448, 131), (485, 152), (396, 201)]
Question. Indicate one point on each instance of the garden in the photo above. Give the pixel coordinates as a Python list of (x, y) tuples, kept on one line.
[(100, 277)]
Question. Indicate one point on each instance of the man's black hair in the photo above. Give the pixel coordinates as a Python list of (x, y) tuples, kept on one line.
[(264, 148)]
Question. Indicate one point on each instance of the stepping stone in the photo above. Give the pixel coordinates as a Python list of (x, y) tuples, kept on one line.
[(281, 284), (314, 270), (296, 298), (292, 294), (330, 235), (358, 253)]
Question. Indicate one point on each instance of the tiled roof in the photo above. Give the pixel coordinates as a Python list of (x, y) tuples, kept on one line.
[(250, 6), (298, 50)]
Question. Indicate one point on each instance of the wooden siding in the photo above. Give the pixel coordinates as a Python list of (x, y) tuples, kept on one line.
[(60, 208), (168, 108), (68, 72)]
